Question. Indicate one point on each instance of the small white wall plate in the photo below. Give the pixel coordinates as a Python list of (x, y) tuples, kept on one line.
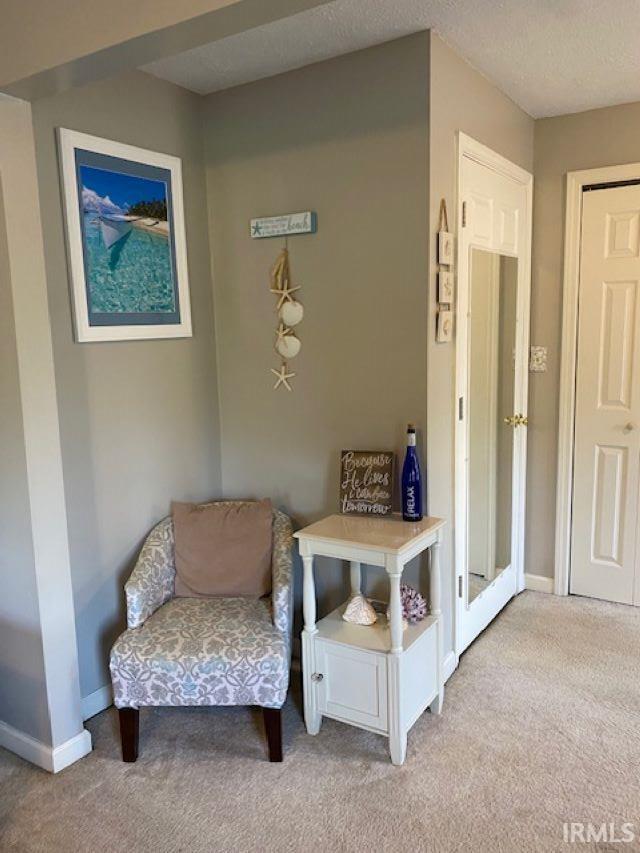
[(538, 360)]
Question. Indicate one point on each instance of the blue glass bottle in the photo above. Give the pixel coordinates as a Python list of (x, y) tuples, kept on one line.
[(411, 480)]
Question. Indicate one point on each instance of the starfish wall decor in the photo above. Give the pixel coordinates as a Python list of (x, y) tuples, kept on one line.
[(283, 377), (284, 292), (287, 343), (282, 331)]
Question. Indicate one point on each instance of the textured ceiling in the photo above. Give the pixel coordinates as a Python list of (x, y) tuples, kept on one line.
[(550, 56)]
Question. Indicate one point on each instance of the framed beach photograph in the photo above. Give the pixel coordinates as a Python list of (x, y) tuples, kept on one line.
[(124, 218)]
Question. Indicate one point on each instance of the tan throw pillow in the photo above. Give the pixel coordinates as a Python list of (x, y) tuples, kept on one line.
[(223, 549)]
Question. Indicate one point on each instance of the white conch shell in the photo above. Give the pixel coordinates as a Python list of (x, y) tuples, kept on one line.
[(291, 312), (288, 346), (360, 611)]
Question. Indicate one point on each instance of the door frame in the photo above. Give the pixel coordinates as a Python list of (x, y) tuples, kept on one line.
[(469, 148), (576, 182)]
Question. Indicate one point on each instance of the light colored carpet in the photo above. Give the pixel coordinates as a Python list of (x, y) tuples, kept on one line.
[(541, 725)]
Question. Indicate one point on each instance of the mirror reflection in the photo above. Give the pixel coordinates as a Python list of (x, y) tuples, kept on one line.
[(491, 352)]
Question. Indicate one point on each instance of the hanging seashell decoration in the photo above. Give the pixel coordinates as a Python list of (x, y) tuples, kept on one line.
[(290, 313), (288, 346), (360, 611)]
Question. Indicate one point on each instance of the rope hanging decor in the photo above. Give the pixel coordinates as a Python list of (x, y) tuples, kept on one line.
[(445, 297), (290, 313), (442, 219)]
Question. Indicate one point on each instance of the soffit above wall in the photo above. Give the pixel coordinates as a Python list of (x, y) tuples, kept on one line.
[(50, 47), (550, 57)]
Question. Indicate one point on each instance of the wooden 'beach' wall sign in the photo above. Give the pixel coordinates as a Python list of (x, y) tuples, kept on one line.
[(281, 226), (366, 482)]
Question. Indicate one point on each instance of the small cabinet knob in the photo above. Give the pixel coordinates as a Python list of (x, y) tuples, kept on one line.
[(628, 427), (317, 676)]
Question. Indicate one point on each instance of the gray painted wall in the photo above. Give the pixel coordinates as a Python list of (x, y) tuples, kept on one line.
[(461, 99), (349, 139), (139, 420), (368, 141), (22, 676), (38, 648), (587, 140)]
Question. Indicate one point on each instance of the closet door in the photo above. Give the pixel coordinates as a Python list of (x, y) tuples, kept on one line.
[(492, 344), (607, 418)]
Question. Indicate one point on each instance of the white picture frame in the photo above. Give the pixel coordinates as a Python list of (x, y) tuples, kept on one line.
[(166, 313)]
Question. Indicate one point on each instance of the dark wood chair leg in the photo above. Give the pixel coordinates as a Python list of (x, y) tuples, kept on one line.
[(273, 727), (129, 732)]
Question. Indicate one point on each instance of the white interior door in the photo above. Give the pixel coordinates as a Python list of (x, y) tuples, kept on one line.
[(492, 343), (607, 419)]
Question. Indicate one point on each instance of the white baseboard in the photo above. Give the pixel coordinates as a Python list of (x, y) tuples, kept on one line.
[(40, 753), (449, 665), (538, 583), (70, 751), (97, 701), (25, 746)]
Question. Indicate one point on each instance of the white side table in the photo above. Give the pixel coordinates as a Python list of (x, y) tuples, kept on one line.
[(377, 677)]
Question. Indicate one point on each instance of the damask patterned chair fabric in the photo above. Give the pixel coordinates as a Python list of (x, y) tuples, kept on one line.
[(203, 651), (152, 580)]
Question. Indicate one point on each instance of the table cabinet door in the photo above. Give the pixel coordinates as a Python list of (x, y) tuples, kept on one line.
[(353, 686)]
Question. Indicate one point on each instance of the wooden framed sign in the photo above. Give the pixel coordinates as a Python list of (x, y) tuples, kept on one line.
[(280, 226), (366, 482)]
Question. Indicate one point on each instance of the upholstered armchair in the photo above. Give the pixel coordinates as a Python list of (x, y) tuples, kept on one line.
[(202, 651)]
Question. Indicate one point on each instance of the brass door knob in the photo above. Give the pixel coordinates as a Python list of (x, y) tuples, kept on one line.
[(511, 420), (522, 420)]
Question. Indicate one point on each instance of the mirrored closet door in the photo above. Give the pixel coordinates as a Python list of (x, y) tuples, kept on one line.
[(491, 379), (493, 284)]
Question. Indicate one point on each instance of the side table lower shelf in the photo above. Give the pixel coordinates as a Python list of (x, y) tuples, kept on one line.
[(350, 675)]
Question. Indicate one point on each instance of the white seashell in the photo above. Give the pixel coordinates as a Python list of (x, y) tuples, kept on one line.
[(360, 611), (291, 313), (288, 346)]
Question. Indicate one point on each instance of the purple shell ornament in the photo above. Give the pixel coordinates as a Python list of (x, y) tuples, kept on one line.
[(414, 606)]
